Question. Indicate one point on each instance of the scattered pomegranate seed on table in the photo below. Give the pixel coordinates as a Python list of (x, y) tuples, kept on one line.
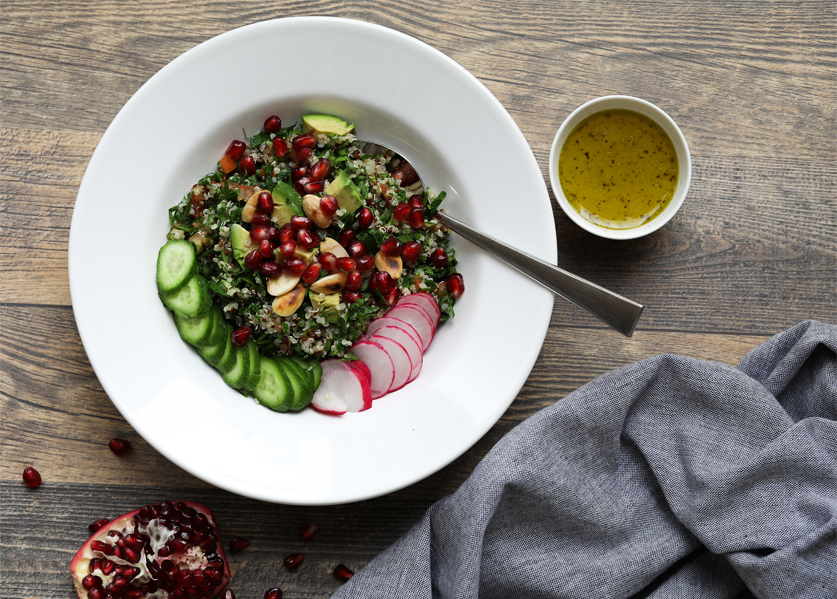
[(274, 593), (238, 543), (293, 561), (228, 594), (119, 446), (31, 477), (94, 526), (342, 572), (308, 532)]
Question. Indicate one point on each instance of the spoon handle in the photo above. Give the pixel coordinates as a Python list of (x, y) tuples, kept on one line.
[(616, 311)]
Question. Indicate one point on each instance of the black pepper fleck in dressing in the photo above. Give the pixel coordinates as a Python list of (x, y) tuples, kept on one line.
[(618, 169)]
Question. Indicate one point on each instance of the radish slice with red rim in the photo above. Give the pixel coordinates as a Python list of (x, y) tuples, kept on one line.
[(364, 369), (387, 321), (418, 319), (425, 301), (407, 341), (400, 360), (342, 389), (379, 363)]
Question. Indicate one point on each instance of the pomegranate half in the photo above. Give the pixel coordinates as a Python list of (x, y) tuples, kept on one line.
[(169, 550)]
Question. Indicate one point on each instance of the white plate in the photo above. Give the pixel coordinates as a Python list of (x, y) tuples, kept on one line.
[(396, 90)]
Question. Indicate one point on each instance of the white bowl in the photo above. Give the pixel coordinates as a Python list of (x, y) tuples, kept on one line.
[(656, 115), (398, 91)]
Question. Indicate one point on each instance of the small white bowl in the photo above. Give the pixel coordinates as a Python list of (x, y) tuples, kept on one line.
[(655, 114)]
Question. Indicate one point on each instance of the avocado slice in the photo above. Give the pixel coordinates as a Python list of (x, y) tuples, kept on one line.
[(326, 123), (286, 203), (326, 304), (241, 242), (345, 192)]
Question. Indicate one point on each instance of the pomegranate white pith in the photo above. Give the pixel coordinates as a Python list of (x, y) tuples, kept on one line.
[(170, 550)]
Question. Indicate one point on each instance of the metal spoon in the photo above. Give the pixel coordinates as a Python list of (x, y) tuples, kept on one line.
[(616, 311)]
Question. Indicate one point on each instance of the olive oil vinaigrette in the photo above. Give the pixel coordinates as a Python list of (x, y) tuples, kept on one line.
[(618, 169)]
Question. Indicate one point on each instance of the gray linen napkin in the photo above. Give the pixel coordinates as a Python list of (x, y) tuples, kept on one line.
[(668, 478)]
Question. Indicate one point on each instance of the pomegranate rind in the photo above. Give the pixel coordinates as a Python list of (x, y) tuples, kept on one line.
[(79, 565)]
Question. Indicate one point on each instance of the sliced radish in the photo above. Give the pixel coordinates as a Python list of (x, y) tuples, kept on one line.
[(412, 345), (426, 302), (363, 368), (418, 319), (386, 321), (379, 363), (341, 390), (400, 361)]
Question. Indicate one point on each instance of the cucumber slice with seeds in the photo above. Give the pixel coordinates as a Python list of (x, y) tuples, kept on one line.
[(273, 389), (176, 263), (197, 330)]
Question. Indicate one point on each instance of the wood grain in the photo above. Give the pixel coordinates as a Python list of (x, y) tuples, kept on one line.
[(752, 252)]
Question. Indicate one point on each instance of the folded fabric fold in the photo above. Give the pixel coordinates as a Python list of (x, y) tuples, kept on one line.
[(668, 478)]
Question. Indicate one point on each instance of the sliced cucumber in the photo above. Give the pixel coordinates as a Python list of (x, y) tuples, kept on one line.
[(317, 370), (176, 262), (227, 361), (197, 330), (255, 367), (311, 365), (193, 299), (301, 384), (212, 353), (273, 389), (236, 376)]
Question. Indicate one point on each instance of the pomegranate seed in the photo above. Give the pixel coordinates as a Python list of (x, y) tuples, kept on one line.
[(280, 147), (401, 212), (265, 249), (252, 260), (416, 218), (300, 185), (119, 446), (286, 233), (131, 556), (356, 248), (235, 150), (107, 566), (307, 239), (439, 258), (247, 166), (273, 124), (228, 594), (264, 203), (312, 273), (31, 477), (274, 593), (364, 218), (313, 187), (261, 219), (103, 548), (391, 246), (346, 264), (308, 532), (295, 265), (380, 281), (347, 236), (354, 281), (342, 572), (95, 564), (293, 561), (365, 263), (259, 233), (301, 222), (273, 233), (91, 582), (94, 526), (416, 201), (327, 260), (329, 205), (240, 335), (411, 251), (270, 269), (96, 593), (288, 248), (321, 169), (392, 295), (303, 154), (135, 542), (299, 172), (304, 141), (133, 594), (350, 297), (406, 174)]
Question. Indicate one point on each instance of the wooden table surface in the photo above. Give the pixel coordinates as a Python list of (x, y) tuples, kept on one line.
[(751, 253)]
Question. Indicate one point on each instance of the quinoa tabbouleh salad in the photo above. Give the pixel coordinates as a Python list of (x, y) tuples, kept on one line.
[(278, 262)]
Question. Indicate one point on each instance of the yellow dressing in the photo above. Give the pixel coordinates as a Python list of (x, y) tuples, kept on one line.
[(618, 169)]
